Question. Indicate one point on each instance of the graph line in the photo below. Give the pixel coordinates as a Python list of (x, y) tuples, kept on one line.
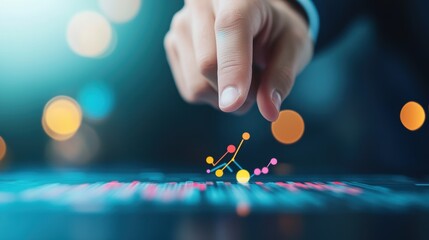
[(216, 168), (214, 164), (264, 170), (238, 165), (235, 154)]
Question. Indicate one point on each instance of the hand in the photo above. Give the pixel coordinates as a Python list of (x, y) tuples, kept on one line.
[(231, 53)]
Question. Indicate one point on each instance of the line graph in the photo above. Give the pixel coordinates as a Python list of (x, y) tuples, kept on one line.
[(242, 175), (265, 169)]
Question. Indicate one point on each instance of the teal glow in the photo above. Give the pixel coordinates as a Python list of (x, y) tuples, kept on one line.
[(96, 100)]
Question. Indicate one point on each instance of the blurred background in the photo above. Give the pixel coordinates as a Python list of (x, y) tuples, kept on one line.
[(109, 61)]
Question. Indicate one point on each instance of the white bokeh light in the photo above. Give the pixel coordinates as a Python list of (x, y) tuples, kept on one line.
[(89, 34), (120, 11), (81, 149)]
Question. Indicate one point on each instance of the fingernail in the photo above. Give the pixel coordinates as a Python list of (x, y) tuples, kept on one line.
[(228, 97), (277, 99)]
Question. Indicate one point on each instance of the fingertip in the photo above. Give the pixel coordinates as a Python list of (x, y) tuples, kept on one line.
[(270, 115), (230, 99), (269, 105)]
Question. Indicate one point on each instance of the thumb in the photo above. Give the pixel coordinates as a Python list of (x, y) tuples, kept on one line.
[(288, 57)]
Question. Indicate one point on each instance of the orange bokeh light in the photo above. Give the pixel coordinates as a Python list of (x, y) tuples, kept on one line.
[(289, 127), (412, 116), (3, 148)]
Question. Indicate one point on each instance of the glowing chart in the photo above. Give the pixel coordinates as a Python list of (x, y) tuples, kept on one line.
[(242, 175)]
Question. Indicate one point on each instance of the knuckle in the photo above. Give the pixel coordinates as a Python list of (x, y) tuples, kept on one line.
[(168, 42), (231, 65), (197, 92), (301, 37), (207, 65), (191, 2), (230, 19), (179, 20), (286, 79)]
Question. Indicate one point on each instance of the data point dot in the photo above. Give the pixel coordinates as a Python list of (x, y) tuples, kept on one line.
[(219, 173), (209, 160), (231, 148), (243, 176), (246, 136), (273, 161), (257, 171), (264, 170)]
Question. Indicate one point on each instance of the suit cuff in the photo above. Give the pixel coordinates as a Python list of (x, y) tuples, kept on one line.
[(312, 16)]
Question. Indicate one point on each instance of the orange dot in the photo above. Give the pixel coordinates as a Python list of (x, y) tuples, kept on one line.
[(246, 136), (412, 116), (288, 128), (3, 148)]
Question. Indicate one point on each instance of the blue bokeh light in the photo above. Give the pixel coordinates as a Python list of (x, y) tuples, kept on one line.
[(97, 100)]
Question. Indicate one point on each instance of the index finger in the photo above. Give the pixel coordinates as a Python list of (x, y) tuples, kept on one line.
[(234, 48)]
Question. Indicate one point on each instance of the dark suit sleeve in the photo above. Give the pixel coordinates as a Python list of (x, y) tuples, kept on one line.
[(335, 16)]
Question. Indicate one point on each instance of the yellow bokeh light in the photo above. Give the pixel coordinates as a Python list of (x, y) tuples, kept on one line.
[(243, 176), (412, 116), (62, 118), (120, 11), (89, 34), (3, 148), (289, 127), (53, 134)]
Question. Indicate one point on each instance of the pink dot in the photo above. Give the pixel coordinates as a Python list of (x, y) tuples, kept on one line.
[(273, 161), (257, 171), (208, 170), (264, 170), (231, 148)]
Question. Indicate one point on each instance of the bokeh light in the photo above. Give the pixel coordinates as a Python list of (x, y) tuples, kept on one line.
[(120, 11), (283, 169), (243, 176), (243, 209), (62, 118), (78, 150), (96, 100), (3, 148), (89, 34), (412, 116), (288, 128)]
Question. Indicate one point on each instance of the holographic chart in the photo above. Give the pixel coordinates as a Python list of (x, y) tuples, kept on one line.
[(243, 176)]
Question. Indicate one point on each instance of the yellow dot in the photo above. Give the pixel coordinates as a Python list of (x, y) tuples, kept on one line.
[(412, 116), (243, 176), (288, 128), (209, 160), (3, 148), (62, 118), (246, 136), (219, 173)]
